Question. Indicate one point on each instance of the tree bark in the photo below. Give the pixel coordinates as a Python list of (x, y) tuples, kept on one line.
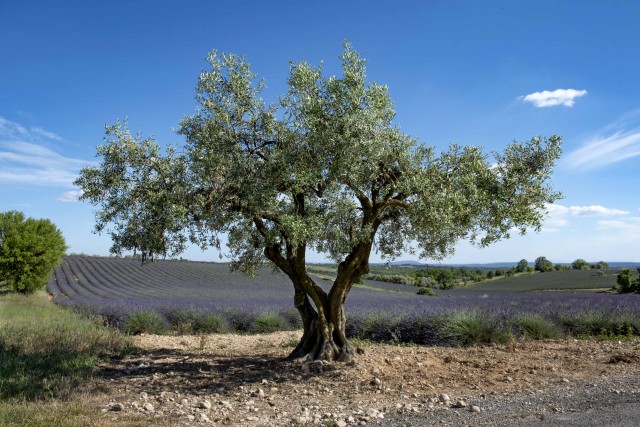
[(324, 336)]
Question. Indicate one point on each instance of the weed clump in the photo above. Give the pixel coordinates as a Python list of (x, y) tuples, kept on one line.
[(535, 326), (148, 322)]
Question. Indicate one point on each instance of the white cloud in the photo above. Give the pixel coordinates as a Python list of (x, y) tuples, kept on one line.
[(606, 149), (70, 196), (557, 215), (46, 134), (25, 158), (627, 229), (548, 98), (595, 210)]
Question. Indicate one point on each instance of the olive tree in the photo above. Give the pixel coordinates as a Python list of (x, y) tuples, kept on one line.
[(324, 168), (29, 250)]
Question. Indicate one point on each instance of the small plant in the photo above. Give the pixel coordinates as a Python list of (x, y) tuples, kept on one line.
[(473, 327), (184, 320), (290, 343), (535, 326), (145, 322), (268, 322), (211, 324), (426, 291)]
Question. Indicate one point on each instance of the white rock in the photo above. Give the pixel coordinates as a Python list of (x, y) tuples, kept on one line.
[(474, 408), (372, 412), (148, 407), (444, 397), (205, 404), (460, 404)]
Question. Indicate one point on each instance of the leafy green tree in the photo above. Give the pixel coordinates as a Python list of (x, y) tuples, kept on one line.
[(600, 265), (29, 250), (323, 168), (542, 264), (522, 266), (628, 282), (580, 264)]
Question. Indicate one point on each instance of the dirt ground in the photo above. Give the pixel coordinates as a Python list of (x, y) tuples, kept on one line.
[(244, 380)]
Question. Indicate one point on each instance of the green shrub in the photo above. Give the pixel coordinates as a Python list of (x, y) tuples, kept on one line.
[(29, 250), (627, 282), (148, 322), (589, 323), (210, 324), (268, 322), (378, 327), (184, 320), (468, 327), (535, 326), (426, 291)]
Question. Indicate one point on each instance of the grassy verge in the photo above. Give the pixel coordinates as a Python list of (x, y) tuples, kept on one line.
[(48, 352), (63, 414)]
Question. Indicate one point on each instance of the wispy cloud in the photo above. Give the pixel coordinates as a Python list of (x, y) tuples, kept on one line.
[(70, 196), (617, 142), (558, 215), (26, 159), (548, 98), (625, 229)]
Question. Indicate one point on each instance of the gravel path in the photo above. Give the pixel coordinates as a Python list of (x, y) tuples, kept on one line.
[(605, 402), (235, 380)]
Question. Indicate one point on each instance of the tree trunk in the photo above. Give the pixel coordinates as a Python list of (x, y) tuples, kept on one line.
[(324, 336)]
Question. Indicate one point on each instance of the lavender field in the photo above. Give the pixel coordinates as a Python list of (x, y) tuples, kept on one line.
[(176, 294)]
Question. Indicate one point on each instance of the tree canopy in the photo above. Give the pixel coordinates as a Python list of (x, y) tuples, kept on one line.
[(29, 250), (542, 264), (323, 168)]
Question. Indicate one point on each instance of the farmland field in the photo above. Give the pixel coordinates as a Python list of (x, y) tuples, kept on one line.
[(116, 289)]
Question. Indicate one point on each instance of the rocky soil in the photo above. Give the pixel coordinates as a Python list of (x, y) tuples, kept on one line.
[(244, 381)]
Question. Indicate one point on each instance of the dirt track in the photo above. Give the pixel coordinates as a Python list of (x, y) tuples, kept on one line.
[(243, 380)]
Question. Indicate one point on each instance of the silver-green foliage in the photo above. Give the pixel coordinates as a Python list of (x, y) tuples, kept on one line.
[(324, 168), (328, 143)]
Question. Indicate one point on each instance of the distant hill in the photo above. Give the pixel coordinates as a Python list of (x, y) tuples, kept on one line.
[(493, 265)]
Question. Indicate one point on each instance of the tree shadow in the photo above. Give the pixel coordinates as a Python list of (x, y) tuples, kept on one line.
[(189, 372)]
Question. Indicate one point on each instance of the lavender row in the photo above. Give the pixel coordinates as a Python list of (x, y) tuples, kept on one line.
[(117, 290)]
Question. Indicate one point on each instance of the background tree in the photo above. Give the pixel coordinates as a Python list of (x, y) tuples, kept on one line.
[(323, 168), (29, 250), (600, 265), (628, 282), (542, 264), (580, 264), (522, 266)]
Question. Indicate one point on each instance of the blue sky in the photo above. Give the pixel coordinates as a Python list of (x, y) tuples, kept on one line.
[(477, 73)]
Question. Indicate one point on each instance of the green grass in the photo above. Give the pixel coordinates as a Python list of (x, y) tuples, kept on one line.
[(48, 352), (63, 414)]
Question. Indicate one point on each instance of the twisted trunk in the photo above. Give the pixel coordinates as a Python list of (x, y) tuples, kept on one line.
[(324, 321)]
